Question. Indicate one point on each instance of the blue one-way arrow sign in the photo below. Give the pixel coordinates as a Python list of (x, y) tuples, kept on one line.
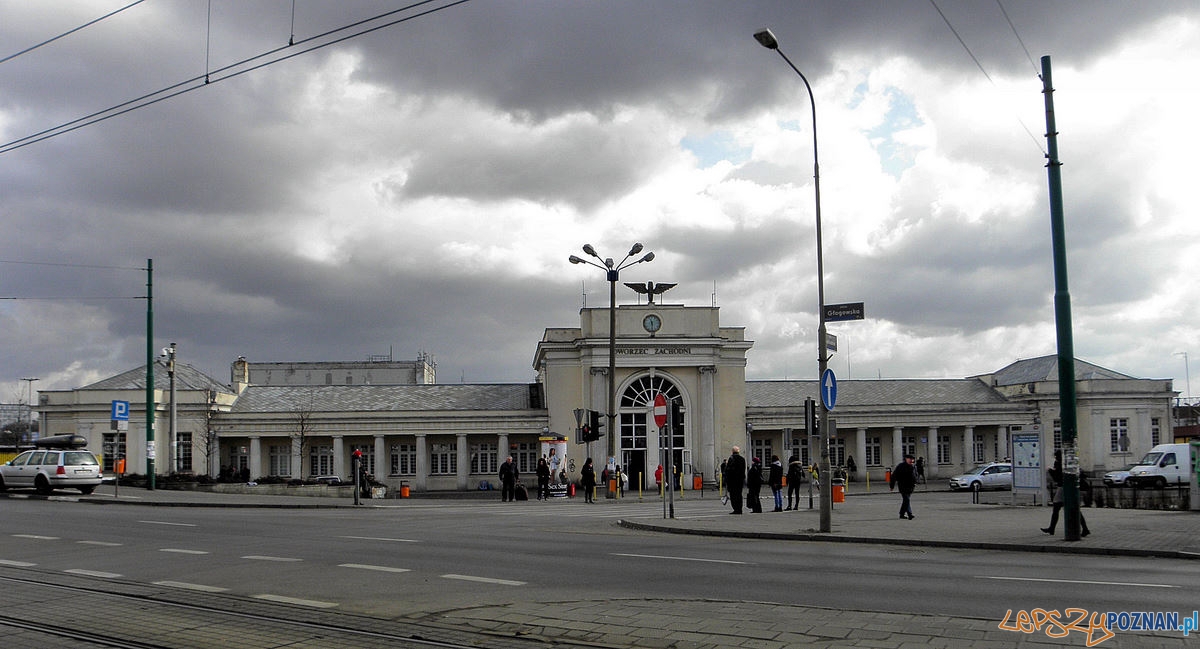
[(828, 389)]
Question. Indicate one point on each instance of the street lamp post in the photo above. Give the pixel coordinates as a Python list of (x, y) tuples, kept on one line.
[(169, 352), (767, 40), (612, 274), (29, 409)]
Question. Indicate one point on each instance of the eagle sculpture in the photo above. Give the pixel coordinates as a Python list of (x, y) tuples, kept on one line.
[(650, 289)]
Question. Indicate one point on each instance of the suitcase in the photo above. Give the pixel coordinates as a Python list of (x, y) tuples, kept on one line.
[(522, 494)]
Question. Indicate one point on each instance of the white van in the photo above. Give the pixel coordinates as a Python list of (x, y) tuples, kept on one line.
[(1165, 464)]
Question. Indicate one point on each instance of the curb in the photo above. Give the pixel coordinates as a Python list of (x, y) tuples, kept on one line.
[(973, 545)]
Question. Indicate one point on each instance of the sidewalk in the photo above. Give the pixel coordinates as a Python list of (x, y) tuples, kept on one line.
[(949, 519)]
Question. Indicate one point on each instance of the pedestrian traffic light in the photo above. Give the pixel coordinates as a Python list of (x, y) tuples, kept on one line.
[(811, 421)]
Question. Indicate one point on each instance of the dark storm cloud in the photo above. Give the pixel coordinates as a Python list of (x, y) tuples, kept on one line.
[(486, 105)]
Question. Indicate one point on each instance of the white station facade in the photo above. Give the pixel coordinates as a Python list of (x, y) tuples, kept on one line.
[(296, 421)]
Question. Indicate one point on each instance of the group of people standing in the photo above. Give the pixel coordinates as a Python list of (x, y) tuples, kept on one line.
[(510, 479), (737, 477)]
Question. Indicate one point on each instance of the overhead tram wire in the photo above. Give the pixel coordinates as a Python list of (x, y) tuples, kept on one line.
[(1013, 27), (70, 31), (68, 297), (200, 81), (971, 54)]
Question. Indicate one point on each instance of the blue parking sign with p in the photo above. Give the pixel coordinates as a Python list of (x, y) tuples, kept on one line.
[(120, 410)]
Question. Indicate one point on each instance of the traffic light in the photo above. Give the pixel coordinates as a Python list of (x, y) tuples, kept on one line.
[(677, 418), (810, 417), (593, 428)]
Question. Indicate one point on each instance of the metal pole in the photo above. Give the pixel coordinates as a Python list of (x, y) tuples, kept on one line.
[(768, 40), (150, 374), (171, 436), (612, 370), (1062, 319), (28, 410)]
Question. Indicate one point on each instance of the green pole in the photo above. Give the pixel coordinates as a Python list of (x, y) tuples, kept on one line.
[(150, 374), (1062, 320)]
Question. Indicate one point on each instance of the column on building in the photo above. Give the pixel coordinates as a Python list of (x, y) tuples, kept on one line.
[(297, 460), (897, 445), (340, 465), (381, 458), (704, 456), (968, 448), (256, 463), (421, 479), (502, 450), (860, 449), (464, 461), (599, 391), (931, 462)]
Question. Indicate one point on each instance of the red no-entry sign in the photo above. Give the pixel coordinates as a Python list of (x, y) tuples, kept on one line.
[(660, 410)]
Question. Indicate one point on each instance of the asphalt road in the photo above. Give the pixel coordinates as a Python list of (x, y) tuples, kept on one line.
[(425, 556), (441, 554)]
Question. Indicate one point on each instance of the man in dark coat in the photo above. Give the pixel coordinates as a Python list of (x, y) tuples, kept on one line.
[(735, 479), (905, 476), (508, 480)]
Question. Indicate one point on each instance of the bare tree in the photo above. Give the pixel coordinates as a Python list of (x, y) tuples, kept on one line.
[(209, 442), (304, 423)]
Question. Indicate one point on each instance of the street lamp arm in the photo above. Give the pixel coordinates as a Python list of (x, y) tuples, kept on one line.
[(579, 260)]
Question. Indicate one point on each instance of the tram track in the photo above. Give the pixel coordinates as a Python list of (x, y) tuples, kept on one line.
[(144, 616)]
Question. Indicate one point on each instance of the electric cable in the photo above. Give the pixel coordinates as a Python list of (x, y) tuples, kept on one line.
[(193, 83), (69, 32)]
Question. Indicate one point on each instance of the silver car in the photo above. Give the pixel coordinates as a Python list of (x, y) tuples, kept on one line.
[(996, 475), (63, 463), (1118, 478)]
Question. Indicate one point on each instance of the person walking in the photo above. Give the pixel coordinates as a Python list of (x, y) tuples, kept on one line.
[(754, 482), (904, 476), (795, 475), (735, 478), (775, 479), (543, 477), (921, 470), (587, 480), (508, 480), (1055, 474)]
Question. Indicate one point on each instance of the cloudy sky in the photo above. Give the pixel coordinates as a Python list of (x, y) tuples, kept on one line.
[(418, 188)]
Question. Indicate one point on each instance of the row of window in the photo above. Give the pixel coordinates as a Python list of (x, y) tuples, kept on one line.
[(485, 456), (761, 448)]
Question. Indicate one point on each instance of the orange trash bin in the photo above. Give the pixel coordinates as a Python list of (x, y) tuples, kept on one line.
[(839, 492)]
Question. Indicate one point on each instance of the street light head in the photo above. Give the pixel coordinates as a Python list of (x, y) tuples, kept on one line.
[(608, 263), (587, 247), (637, 247), (766, 39), (649, 257), (575, 260)]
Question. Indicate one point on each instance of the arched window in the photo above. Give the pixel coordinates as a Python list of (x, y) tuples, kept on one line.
[(639, 397)]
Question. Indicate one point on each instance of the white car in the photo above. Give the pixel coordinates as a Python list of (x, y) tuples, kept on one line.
[(996, 475), (60, 462)]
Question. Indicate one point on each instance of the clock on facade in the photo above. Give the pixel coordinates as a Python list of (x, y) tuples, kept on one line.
[(652, 323)]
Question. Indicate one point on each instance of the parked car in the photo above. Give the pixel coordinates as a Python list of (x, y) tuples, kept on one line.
[(995, 475), (1164, 464), (59, 462), (1118, 478)]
